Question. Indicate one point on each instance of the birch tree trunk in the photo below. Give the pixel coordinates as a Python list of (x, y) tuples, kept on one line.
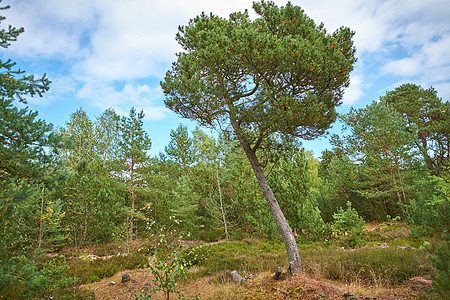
[(221, 206)]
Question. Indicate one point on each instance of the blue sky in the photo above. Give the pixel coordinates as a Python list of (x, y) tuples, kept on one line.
[(102, 53)]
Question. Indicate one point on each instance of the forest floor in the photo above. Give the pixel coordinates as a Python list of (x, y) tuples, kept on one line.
[(262, 287), (210, 285)]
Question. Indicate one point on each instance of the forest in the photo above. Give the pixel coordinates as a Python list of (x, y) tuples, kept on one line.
[(85, 202)]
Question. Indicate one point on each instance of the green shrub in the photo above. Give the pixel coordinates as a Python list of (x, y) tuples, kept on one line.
[(311, 225), (349, 226), (21, 277), (441, 261), (429, 211), (167, 263)]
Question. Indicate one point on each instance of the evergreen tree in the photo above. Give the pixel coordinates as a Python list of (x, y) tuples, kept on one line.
[(27, 170), (428, 117), (94, 208), (385, 155), (295, 182), (134, 143), (279, 74), (180, 147), (26, 142)]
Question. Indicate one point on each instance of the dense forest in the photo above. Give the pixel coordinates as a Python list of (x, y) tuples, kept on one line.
[(93, 183)]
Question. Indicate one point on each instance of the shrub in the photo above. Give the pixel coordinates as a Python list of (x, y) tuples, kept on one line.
[(349, 226), (21, 277), (167, 263), (430, 208), (311, 224), (441, 261)]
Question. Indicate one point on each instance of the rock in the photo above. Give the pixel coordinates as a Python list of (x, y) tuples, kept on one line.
[(126, 277), (235, 277), (278, 273), (382, 245), (405, 247), (112, 283), (251, 276)]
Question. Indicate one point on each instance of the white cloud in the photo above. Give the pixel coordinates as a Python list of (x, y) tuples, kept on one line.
[(405, 38), (103, 96), (114, 42), (52, 27), (443, 90), (428, 66), (408, 66), (354, 92)]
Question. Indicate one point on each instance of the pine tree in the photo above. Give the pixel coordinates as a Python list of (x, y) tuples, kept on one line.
[(384, 152), (279, 74), (134, 143), (26, 142), (428, 117), (27, 169)]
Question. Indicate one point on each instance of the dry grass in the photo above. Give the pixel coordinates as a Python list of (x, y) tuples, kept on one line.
[(264, 286), (329, 273)]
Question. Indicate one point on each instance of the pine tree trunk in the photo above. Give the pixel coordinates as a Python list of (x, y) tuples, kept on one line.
[(295, 265)]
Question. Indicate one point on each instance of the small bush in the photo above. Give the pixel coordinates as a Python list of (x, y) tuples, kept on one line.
[(167, 263), (441, 261), (21, 277), (349, 226), (428, 213), (311, 225)]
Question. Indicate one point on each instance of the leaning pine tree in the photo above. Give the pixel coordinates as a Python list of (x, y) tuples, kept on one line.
[(280, 74)]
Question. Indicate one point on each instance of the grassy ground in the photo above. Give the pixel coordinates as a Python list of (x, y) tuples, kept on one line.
[(399, 268)]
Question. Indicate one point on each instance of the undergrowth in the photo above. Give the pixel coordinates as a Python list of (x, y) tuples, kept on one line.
[(88, 271), (369, 265), (248, 256)]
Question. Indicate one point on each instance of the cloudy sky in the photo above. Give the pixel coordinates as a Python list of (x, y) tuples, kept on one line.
[(102, 53)]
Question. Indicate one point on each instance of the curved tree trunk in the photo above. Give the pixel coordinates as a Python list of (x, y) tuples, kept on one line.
[(295, 265)]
